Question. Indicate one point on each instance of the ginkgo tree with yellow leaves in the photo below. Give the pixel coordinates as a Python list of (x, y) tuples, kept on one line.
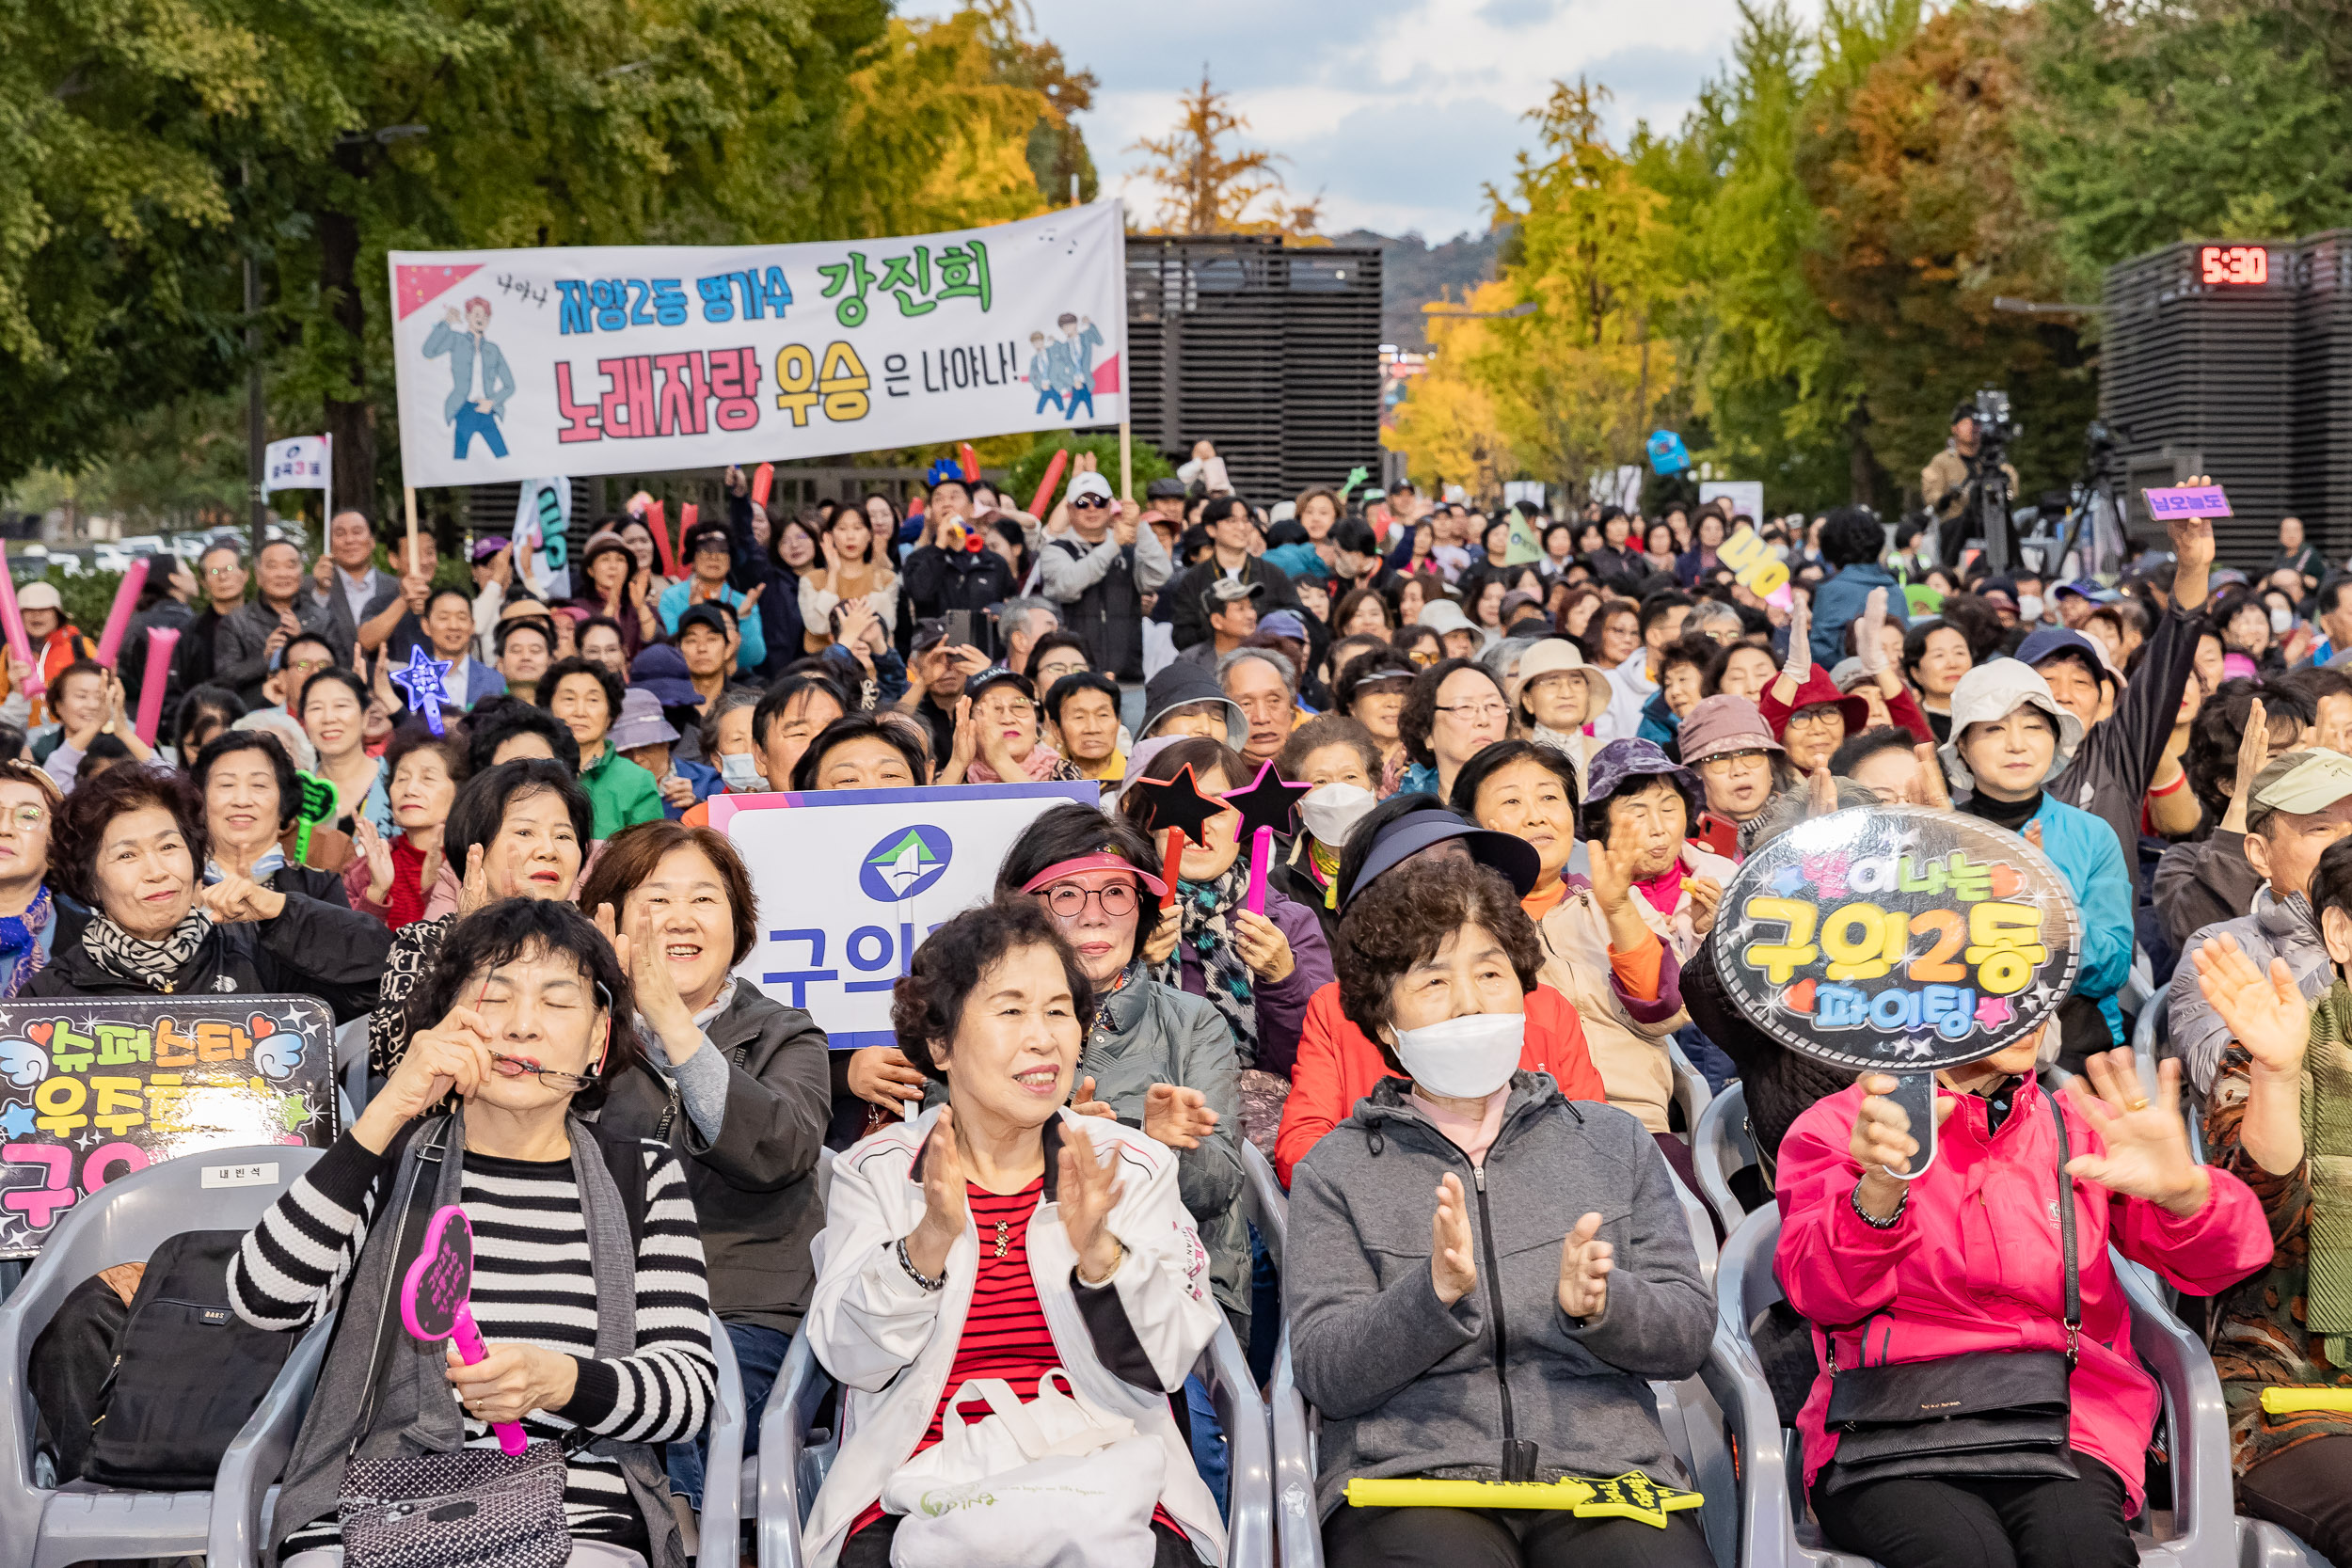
[(1568, 352)]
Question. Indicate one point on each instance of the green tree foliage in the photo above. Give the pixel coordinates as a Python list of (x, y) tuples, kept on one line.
[(1024, 473), (2196, 119)]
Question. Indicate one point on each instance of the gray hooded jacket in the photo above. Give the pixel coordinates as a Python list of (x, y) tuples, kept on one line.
[(1408, 1386)]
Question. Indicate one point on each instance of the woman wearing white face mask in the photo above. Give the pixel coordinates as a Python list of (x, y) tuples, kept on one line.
[(1340, 758), (1555, 1216)]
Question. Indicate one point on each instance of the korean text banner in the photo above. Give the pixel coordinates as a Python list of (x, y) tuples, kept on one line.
[(514, 364), (93, 1089), (849, 882)]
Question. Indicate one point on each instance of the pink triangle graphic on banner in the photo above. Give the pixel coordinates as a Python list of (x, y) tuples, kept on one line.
[(416, 287), (1107, 376)]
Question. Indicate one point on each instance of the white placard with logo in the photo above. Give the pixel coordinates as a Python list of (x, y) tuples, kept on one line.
[(850, 881), (1746, 497)]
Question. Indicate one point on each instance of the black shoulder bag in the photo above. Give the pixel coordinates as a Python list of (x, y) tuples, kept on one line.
[(1988, 1416)]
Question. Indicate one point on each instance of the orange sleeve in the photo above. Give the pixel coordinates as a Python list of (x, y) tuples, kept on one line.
[(1555, 1044), (1318, 1100), (1637, 970)]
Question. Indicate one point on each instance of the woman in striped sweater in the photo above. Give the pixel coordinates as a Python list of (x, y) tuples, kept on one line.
[(588, 1267)]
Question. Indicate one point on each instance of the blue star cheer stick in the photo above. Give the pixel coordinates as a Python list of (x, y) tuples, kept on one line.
[(423, 681)]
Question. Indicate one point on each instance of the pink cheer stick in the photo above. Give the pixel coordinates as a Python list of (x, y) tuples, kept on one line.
[(160, 642), (12, 621), (118, 618), (436, 1301), (1260, 857)]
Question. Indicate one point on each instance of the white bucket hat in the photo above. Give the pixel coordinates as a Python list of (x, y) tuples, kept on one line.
[(1989, 694)]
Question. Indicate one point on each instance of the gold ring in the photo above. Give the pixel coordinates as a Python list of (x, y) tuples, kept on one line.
[(2137, 1105)]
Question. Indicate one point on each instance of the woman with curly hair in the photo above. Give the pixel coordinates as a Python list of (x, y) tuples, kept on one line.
[(1554, 1216)]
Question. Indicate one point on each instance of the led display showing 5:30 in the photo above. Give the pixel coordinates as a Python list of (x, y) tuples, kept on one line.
[(2234, 264)]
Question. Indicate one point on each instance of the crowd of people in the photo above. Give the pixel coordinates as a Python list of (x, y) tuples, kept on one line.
[(1447, 1020)]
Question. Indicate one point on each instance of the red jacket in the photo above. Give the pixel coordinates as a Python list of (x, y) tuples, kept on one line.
[(1337, 1066), (1976, 1262)]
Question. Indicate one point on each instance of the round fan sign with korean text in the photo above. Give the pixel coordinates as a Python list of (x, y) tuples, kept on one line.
[(1897, 939)]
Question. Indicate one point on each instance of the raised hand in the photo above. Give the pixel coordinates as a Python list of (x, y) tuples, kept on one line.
[(1082, 1100), (474, 891), (1091, 1189), (944, 1205), (323, 573), (1798, 664), (1706, 897), (1933, 793), (1612, 874), (237, 899), (1453, 1254), (1162, 941), (1177, 1116), (2253, 755), (1585, 1262), (1867, 636), (881, 1075), (451, 1058), (379, 857), (2266, 1013), (1263, 946), (2147, 1149)]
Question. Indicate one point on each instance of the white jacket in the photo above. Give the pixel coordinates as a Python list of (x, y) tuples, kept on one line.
[(890, 1343)]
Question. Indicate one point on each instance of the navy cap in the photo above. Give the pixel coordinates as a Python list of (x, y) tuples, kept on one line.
[(2053, 640), (1417, 831)]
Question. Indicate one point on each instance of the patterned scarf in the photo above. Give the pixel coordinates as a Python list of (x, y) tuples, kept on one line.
[(151, 964), (20, 943), (1325, 860), (1205, 909), (2328, 1147)]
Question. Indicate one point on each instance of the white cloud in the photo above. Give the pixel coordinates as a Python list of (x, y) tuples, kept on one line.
[(1397, 111)]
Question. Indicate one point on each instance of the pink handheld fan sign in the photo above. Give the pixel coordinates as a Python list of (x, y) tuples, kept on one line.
[(436, 1301)]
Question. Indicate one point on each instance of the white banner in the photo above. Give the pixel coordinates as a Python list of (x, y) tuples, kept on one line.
[(1745, 494), (296, 463), (849, 881), (543, 520), (514, 364)]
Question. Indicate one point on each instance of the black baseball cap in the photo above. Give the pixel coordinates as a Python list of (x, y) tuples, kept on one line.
[(1417, 831), (717, 617), (1355, 537)]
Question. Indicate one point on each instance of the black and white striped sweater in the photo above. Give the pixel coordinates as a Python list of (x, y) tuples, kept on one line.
[(532, 1285)]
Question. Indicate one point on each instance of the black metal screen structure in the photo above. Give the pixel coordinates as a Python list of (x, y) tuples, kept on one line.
[(1270, 351), (2233, 357)]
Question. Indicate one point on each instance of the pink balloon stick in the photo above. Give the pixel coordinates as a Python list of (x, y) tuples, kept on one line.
[(1261, 857), (160, 641), (12, 621), (118, 618)]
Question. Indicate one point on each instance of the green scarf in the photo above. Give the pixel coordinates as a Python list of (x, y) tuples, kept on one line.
[(2328, 1151)]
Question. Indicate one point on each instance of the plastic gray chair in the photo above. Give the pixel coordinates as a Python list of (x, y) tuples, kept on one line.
[(794, 1455), (2264, 1544), (1267, 1206), (124, 1221), (1691, 1091), (721, 1519), (2201, 1531), (351, 1066), (1724, 1146)]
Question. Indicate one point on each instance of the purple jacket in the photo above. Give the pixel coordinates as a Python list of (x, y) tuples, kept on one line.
[(1282, 1006)]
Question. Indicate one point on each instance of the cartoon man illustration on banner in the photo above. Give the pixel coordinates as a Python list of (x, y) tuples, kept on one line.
[(1045, 373), (1080, 338), (479, 381)]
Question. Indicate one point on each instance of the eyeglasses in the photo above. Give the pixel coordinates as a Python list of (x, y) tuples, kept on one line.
[(1068, 901), (222, 571), (1820, 716), (523, 1067), (1089, 503), (25, 819), (1477, 712)]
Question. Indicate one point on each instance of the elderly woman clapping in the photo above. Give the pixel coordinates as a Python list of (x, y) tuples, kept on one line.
[(988, 1238), (130, 845)]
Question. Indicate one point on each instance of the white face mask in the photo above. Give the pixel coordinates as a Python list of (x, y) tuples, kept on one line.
[(2282, 621), (1332, 811), (2030, 607), (740, 773), (1467, 1057)]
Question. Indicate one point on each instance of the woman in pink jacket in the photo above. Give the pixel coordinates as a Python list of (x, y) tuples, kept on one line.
[(1969, 1257)]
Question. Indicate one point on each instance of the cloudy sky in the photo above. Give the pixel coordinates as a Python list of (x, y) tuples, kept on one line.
[(1397, 111)]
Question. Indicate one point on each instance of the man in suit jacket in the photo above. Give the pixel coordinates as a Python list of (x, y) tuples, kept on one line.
[(480, 383), (449, 635), (347, 591)]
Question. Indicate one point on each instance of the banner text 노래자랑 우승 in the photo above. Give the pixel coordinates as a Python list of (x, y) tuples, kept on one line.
[(514, 364), (93, 1088)]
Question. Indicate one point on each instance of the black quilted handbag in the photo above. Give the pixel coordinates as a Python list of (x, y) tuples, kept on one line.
[(475, 1508)]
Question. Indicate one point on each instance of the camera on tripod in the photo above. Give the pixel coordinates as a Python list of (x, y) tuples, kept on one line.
[(1995, 430)]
